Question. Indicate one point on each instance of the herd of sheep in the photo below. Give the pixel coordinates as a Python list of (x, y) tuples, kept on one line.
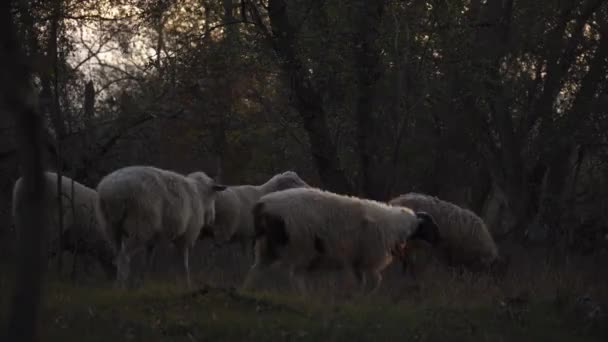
[(282, 222)]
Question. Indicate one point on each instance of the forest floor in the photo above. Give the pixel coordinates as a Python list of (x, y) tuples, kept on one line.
[(539, 305)]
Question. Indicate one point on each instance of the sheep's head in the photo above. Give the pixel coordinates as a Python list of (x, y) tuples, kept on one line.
[(427, 229), (206, 184), (208, 190), (284, 181)]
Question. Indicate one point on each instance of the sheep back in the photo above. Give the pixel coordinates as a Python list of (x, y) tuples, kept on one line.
[(304, 224), (283, 181)]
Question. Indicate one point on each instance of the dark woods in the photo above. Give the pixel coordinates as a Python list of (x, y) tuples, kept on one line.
[(498, 106)]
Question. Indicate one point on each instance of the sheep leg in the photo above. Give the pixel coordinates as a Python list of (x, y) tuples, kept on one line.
[(295, 275), (129, 247), (376, 281), (244, 248), (149, 261), (361, 279), (88, 260), (182, 246), (123, 263), (104, 256), (186, 252), (261, 263), (75, 256), (250, 277)]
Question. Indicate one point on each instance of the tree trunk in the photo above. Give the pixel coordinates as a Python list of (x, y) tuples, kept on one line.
[(306, 100), (23, 320), (367, 58), (562, 142), (56, 117), (225, 102), (89, 103), (504, 160)]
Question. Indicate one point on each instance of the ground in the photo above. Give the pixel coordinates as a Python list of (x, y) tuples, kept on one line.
[(163, 313), (547, 305)]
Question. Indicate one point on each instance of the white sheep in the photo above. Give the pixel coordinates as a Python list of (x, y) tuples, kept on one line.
[(142, 206), (82, 232), (233, 215), (310, 229), (465, 238)]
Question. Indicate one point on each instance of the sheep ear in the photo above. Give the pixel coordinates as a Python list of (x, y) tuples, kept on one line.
[(427, 229), (218, 187)]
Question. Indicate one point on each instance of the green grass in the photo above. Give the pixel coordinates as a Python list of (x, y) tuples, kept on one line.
[(162, 312), (537, 301)]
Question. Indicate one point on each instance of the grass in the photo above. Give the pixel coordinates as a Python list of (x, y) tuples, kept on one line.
[(162, 313), (541, 303)]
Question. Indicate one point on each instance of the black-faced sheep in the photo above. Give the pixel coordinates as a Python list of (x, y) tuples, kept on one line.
[(466, 240), (82, 232), (142, 206), (233, 215), (309, 229)]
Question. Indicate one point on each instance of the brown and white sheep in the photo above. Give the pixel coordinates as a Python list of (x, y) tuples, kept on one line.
[(309, 229)]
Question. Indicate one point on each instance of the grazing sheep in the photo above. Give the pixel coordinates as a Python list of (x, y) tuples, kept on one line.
[(466, 240), (309, 229), (142, 205), (234, 219), (81, 230)]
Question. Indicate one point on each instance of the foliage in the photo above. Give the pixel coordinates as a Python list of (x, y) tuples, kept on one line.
[(497, 106)]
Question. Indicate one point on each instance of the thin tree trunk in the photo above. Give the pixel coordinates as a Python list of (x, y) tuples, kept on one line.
[(57, 119), (88, 138), (23, 321)]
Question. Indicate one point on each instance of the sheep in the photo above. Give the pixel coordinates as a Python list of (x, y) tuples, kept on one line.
[(466, 240), (234, 220), (81, 228), (308, 229), (142, 206)]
